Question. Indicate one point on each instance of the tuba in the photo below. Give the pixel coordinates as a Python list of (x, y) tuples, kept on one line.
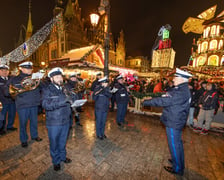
[(27, 84)]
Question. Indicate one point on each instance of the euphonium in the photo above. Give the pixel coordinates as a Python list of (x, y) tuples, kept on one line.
[(27, 84)]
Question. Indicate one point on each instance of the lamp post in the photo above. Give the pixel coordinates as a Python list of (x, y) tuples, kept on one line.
[(94, 19), (104, 8)]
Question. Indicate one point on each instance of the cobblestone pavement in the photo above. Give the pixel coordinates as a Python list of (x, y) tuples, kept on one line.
[(136, 152)]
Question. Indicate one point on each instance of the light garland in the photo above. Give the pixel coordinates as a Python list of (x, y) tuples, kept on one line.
[(32, 44)]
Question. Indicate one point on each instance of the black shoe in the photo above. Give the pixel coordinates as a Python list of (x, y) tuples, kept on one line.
[(12, 129), (171, 170), (2, 132), (170, 161), (24, 144), (38, 139), (119, 124), (104, 136), (67, 160), (100, 137), (57, 167)]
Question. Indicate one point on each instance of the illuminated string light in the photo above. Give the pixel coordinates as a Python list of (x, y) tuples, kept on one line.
[(26, 49)]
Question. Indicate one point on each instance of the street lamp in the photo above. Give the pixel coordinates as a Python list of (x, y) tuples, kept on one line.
[(94, 18), (104, 8)]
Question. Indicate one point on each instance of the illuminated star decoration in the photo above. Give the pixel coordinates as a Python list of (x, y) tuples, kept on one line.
[(26, 49)]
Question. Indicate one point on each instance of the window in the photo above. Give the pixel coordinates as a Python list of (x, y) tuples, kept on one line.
[(213, 60), (220, 44), (204, 46), (218, 30), (213, 30), (54, 54), (213, 45), (207, 32), (201, 60), (199, 48)]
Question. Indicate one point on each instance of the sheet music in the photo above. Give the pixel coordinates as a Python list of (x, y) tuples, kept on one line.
[(78, 103), (37, 75)]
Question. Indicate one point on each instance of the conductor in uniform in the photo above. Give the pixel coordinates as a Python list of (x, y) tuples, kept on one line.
[(176, 105), (7, 101), (102, 97), (26, 104), (58, 110)]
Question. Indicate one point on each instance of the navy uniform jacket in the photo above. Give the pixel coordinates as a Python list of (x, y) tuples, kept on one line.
[(102, 99), (122, 95), (58, 111), (176, 105), (26, 99), (5, 97)]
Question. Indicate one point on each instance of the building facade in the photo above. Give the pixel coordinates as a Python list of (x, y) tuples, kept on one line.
[(140, 63)]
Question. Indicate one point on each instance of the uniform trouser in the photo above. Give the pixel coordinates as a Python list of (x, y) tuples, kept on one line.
[(11, 110), (30, 113), (176, 148), (112, 101), (101, 118), (191, 116), (207, 116), (71, 120), (58, 138), (121, 112)]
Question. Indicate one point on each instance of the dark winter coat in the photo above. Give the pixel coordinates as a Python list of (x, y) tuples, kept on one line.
[(57, 109), (102, 96), (176, 104), (209, 100), (5, 97), (122, 95)]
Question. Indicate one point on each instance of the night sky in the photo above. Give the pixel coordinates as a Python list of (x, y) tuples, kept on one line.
[(140, 20)]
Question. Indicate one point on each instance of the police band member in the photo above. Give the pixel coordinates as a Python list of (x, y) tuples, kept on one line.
[(71, 85), (80, 94), (102, 97), (96, 81), (8, 103), (27, 104), (58, 110), (176, 104), (122, 99)]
